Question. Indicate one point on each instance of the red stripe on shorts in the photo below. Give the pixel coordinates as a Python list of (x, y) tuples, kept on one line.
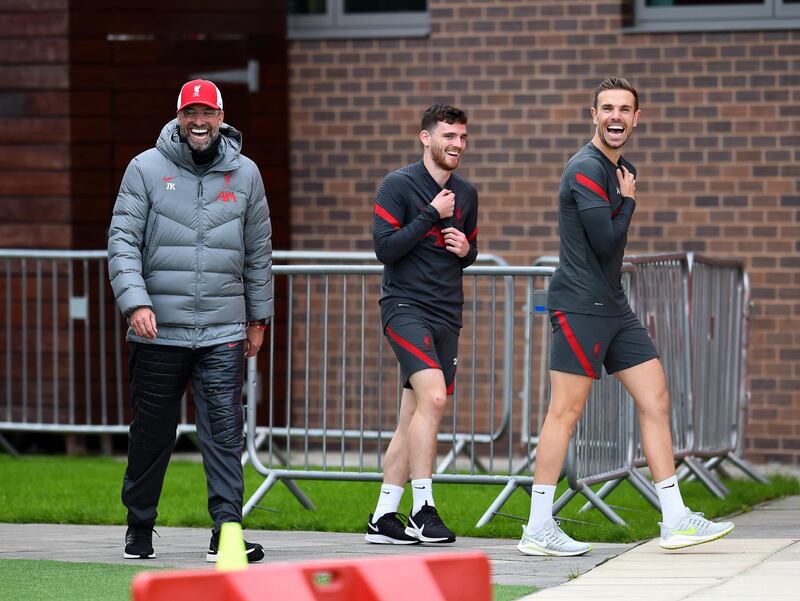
[(573, 342), (412, 349)]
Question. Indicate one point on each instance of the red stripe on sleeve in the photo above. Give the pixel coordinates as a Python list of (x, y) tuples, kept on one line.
[(593, 186), (574, 344), (412, 349), (387, 216), (473, 235)]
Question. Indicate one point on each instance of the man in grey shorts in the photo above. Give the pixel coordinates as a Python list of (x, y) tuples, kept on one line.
[(593, 326)]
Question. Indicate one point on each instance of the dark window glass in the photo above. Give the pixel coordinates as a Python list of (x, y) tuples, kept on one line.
[(384, 6), (307, 7), (700, 2)]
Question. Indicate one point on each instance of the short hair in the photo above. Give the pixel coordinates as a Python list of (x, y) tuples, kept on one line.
[(616, 83), (442, 113)]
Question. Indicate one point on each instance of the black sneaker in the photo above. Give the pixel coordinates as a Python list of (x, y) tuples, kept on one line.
[(427, 526), (139, 543), (389, 529), (254, 551)]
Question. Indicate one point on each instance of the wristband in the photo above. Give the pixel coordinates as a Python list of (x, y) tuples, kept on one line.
[(259, 325)]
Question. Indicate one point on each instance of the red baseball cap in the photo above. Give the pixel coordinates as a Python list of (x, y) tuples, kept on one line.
[(199, 91)]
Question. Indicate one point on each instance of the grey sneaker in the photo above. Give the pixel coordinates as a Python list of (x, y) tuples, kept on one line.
[(550, 540), (693, 529)]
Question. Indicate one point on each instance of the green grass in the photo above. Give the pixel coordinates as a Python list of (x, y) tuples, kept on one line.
[(67, 581), (509, 592), (86, 491)]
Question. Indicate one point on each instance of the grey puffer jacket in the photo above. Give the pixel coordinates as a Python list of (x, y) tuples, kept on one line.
[(195, 246)]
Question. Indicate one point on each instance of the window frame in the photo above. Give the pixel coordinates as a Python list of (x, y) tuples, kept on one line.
[(336, 24), (770, 14)]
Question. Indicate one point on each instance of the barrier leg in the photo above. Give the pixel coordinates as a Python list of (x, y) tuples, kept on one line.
[(450, 458), (9, 448), (298, 494), (711, 482), (645, 488), (601, 505), (562, 501), (262, 490), (499, 501), (476, 461), (604, 491), (746, 468), (526, 466), (260, 437)]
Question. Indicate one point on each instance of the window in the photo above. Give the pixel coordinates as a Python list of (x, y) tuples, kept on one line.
[(715, 15), (309, 19)]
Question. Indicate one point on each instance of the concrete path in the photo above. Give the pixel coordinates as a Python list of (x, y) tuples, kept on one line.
[(185, 548), (759, 560)]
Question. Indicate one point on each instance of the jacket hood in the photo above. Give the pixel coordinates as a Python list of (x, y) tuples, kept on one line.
[(177, 151)]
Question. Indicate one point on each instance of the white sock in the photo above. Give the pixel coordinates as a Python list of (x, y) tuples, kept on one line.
[(422, 490), (541, 506), (669, 495), (388, 501)]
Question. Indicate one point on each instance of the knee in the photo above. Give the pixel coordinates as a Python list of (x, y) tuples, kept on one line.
[(434, 402), (566, 416), (227, 424), (657, 406)]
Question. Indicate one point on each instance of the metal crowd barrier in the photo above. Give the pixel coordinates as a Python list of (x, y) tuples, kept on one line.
[(720, 300), (336, 409), (327, 408), (64, 356), (695, 309)]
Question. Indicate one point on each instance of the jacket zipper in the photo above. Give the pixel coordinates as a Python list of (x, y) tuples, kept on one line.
[(199, 261)]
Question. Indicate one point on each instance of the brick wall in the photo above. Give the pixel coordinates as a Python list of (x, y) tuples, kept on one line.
[(34, 117), (717, 148)]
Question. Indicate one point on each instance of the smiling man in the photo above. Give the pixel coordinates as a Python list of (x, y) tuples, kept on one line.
[(594, 327), (189, 257), (424, 229)]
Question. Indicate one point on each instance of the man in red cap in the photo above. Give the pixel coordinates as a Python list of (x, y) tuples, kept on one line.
[(190, 262)]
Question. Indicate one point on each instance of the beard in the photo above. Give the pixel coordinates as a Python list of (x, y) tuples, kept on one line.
[(439, 156), (213, 134)]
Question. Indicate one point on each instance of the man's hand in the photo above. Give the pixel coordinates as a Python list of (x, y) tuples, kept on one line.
[(255, 338), (445, 203), (143, 322), (455, 241), (627, 182)]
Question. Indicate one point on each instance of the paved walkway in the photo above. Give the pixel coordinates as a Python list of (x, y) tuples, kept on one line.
[(759, 560)]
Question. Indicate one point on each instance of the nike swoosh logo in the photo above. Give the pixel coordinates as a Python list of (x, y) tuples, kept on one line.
[(386, 492), (539, 492), (371, 527), (670, 486), (233, 344), (420, 487), (688, 531), (169, 179)]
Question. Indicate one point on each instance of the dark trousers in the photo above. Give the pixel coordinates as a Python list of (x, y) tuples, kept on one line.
[(158, 377)]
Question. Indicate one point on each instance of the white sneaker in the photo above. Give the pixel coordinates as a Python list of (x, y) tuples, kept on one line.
[(693, 529), (550, 540)]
